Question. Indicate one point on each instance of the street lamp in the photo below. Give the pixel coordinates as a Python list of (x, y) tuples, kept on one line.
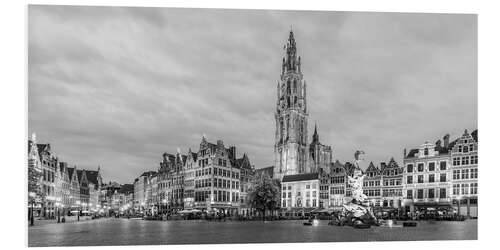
[(164, 201), (78, 204), (58, 217), (33, 196)]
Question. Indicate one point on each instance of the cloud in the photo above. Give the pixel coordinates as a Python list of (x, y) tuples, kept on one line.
[(117, 87)]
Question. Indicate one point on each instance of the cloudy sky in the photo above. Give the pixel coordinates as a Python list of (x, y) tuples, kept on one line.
[(117, 87)]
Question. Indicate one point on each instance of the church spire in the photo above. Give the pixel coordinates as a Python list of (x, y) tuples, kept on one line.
[(290, 61), (315, 135)]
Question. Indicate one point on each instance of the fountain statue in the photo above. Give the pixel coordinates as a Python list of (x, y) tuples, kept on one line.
[(357, 212)]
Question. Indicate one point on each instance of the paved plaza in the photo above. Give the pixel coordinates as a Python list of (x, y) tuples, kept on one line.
[(112, 231)]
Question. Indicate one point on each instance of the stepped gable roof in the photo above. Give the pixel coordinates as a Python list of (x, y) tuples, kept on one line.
[(41, 148), (336, 165), (392, 164), (372, 168), (70, 172), (80, 175), (92, 176), (300, 177), (194, 156), (474, 135), (349, 168)]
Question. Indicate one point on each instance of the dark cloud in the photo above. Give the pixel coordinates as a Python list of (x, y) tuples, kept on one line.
[(116, 87)]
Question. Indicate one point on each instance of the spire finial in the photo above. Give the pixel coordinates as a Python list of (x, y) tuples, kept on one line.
[(315, 135)]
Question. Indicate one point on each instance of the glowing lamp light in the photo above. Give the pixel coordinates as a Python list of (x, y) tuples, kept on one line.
[(315, 222)]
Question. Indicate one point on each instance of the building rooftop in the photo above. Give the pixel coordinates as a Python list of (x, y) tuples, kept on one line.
[(300, 177)]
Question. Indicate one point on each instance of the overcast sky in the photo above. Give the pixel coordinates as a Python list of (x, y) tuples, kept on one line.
[(117, 87)]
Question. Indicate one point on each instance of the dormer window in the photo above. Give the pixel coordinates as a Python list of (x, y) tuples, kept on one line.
[(426, 151)]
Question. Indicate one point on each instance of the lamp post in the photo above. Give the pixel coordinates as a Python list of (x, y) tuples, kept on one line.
[(64, 215), (164, 201), (33, 196), (78, 204), (58, 217)]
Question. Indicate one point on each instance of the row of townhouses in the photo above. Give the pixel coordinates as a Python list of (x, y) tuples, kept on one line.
[(440, 175), (55, 188), (211, 179)]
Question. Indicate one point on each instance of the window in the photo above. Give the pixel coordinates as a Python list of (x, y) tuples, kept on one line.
[(473, 173), (431, 178), (420, 179), (465, 149), (409, 194), (409, 168), (420, 194), (431, 193), (465, 160), (473, 159), (473, 188), (432, 166), (442, 193), (456, 161), (409, 179), (465, 174), (460, 148), (442, 165), (456, 174), (465, 188), (426, 151), (420, 167), (471, 147), (442, 177), (308, 186)]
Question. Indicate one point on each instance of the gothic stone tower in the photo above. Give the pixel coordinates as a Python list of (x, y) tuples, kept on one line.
[(290, 149)]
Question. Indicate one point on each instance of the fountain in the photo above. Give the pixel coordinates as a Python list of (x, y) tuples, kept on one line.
[(357, 212)]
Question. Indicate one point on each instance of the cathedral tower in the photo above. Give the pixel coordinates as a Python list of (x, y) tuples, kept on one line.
[(290, 148)]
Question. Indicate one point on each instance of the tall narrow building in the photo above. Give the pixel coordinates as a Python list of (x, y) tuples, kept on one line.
[(291, 115)]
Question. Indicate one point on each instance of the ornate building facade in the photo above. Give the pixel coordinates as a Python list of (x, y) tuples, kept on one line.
[(464, 160), (427, 176)]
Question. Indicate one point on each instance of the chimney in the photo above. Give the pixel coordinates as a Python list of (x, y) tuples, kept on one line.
[(446, 140)]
